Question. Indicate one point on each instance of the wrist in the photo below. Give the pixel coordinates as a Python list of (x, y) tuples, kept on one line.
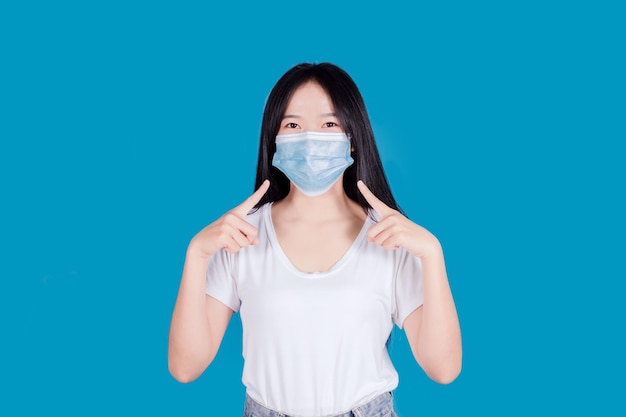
[(433, 252), (195, 251)]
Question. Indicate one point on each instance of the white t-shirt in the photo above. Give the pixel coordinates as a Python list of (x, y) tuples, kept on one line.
[(315, 344)]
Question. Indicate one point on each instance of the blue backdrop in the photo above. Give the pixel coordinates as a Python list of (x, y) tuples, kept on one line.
[(126, 127)]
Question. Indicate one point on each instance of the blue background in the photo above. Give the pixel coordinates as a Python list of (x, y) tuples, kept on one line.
[(126, 127)]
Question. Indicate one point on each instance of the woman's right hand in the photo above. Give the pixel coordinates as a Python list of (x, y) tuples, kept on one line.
[(231, 231), (199, 321)]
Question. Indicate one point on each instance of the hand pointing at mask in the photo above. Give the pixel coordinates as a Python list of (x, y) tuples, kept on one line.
[(394, 230), (231, 231)]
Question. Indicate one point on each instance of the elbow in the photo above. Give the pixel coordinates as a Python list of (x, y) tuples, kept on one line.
[(185, 372), (186, 365), (445, 374), (183, 377), (445, 378)]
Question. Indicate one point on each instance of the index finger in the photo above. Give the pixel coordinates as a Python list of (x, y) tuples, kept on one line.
[(245, 207), (380, 207)]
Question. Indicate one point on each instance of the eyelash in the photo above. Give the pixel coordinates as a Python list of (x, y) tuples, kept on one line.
[(292, 125)]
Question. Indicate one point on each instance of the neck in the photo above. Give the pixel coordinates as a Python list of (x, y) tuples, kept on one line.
[(332, 204)]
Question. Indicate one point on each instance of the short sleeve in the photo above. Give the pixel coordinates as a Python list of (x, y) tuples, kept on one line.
[(220, 282), (407, 292)]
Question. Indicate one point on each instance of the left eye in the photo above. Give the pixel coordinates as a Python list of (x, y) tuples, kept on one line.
[(330, 124)]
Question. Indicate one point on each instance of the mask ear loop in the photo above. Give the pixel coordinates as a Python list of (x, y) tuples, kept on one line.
[(350, 139)]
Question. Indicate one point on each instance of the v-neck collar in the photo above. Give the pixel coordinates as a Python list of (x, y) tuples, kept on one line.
[(271, 233)]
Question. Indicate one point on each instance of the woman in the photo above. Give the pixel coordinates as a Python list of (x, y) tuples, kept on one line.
[(320, 262)]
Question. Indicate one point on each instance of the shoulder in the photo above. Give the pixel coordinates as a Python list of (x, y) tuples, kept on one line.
[(256, 217)]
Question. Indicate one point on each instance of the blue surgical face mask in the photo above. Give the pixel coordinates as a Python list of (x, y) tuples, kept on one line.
[(313, 161)]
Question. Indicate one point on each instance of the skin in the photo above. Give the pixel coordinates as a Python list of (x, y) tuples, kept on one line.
[(314, 233), (433, 329)]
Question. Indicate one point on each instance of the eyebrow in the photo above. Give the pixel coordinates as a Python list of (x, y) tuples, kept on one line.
[(295, 116)]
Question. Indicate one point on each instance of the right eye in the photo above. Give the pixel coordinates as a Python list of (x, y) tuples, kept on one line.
[(291, 125)]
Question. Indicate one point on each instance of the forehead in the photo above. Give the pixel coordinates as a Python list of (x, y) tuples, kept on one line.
[(309, 95)]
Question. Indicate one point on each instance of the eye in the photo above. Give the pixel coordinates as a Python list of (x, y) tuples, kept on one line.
[(291, 125), (330, 124)]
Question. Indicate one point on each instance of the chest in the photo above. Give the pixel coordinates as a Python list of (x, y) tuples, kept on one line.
[(317, 247), (273, 291), (356, 294)]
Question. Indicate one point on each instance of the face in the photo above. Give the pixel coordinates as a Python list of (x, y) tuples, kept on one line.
[(309, 109)]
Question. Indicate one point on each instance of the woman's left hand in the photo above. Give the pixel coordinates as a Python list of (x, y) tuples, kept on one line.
[(394, 230)]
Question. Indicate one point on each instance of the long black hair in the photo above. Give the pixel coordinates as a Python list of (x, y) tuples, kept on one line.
[(352, 114)]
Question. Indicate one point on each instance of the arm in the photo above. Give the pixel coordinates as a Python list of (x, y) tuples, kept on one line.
[(199, 321), (433, 329)]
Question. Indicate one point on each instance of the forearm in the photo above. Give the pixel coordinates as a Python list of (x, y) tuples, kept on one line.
[(189, 347), (439, 341)]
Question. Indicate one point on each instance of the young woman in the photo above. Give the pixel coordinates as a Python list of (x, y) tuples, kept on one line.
[(320, 263)]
